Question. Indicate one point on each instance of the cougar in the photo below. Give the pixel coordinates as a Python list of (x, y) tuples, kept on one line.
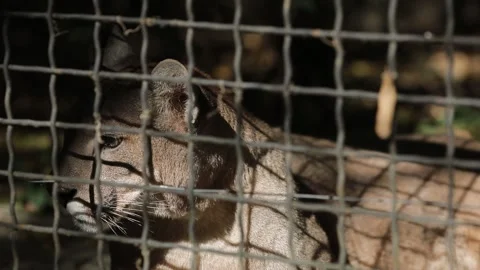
[(426, 235), (418, 235), (258, 231)]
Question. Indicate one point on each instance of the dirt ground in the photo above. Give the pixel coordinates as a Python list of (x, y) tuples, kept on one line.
[(36, 250)]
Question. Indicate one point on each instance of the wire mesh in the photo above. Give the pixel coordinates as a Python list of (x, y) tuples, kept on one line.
[(239, 86), (354, 35), (392, 51), (287, 43), (11, 153), (147, 154), (449, 114), (340, 188), (98, 135), (191, 179), (53, 131), (238, 139)]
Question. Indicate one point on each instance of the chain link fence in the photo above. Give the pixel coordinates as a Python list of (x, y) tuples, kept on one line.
[(285, 87)]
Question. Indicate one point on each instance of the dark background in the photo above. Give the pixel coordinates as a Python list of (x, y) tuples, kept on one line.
[(421, 70)]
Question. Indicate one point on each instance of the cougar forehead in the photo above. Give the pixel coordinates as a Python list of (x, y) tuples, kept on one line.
[(123, 106)]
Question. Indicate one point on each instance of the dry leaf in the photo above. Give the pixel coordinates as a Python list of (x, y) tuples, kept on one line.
[(387, 100)]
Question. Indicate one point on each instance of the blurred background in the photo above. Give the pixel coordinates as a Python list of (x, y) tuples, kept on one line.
[(421, 70)]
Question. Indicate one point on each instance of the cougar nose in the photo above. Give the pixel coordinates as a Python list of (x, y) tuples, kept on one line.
[(65, 194)]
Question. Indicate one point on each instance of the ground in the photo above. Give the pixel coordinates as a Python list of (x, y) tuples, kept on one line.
[(36, 250)]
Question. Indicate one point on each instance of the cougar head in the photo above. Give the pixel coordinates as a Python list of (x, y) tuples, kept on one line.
[(122, 154)]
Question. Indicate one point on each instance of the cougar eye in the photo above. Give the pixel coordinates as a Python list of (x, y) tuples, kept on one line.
[(111, 141)]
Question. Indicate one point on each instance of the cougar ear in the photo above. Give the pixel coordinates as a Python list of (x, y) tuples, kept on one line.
[(171, 99), (118, 54)]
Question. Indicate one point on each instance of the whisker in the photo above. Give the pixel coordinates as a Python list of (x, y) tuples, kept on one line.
[(118, 226), (41, 181), (139, 205), (134, 203), (119, 214), (150, 205), (137, 219), (126, 212), (140, 211), (109, 226)]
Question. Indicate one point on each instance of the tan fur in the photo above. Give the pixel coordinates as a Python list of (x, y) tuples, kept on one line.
[(217, 227), (421, 227), (422, 193)]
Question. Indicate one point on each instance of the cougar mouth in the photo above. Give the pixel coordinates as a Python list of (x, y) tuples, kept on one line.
[(84, 218)]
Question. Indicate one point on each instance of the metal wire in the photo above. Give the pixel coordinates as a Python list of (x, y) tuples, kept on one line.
[(449, 115), (190, 157), (456, 162), (301, 32), (275, 88), (338, 65), (287, 77), (220, 194), (392, 68), (286, 88), (8, 135), (53, 132), (238, 125), (98, 134), (147, 166), (426, 220), (215, 192), (158, 244)]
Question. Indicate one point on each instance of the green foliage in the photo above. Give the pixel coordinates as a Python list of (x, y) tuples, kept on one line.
[(32, 154), (38, 196), (465, 118)]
